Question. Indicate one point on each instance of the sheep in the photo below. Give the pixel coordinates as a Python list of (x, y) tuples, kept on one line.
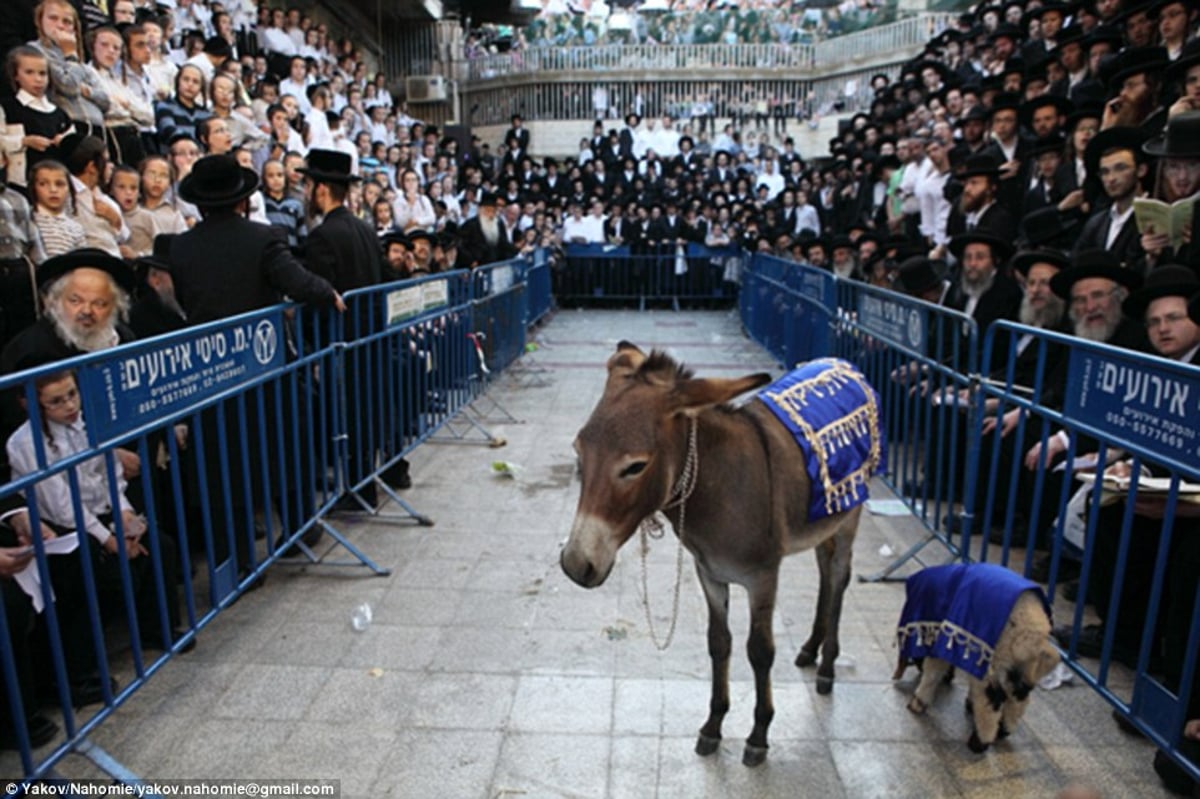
[(987, 621)]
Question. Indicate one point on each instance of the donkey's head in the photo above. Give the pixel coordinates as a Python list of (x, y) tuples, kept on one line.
[(632, 450)]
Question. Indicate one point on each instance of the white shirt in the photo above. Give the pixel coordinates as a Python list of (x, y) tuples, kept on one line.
[(275, 40), (54, 493), (297, 90), (1116, 222), (807, 218), (935, 208), (99, 232), (773, 182)]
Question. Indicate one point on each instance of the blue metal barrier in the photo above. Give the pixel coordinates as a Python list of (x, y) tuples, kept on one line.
[(788, 309), (690, 274), (1135, 542), (250, 433), (539, 295), (959, 441)]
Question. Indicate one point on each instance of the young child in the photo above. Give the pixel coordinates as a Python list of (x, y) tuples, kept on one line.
[(124, 187), (157, 178), (58, 423), (282, 208), (42, 124), (53, 197)]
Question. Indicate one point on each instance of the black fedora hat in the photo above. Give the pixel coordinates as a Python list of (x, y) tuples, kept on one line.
[(87, 258), (1167, 280), (1188, 58), (1181, 139), (1061, 104), (981, 164), (1001, 250), (917, 275), (1008, 101), (1135, 61), (1048, 227), (1118, 138), (420, 233), (1094, 263), (218, 180), (490, 198), (159, 258), (1082, 112), (1054, 143), (977, 113), (329, 166), (1025, 259), (394, 236)]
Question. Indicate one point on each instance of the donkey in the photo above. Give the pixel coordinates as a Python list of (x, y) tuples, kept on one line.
[(747, 501)]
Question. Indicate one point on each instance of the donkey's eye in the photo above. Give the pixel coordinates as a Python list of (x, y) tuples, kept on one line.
[(634, 469)]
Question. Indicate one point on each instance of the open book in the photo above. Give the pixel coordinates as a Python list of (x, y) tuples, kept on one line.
[(1157, 217), (1147, 485)]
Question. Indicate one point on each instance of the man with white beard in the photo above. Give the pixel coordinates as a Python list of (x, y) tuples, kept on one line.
[(86, 298), (86, 295), (983, 290), (483, 238)]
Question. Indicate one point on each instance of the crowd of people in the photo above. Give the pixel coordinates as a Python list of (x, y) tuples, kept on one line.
[(588, 24), (998, 176)]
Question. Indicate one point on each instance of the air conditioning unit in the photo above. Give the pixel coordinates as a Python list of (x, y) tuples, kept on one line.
[(426, 89)]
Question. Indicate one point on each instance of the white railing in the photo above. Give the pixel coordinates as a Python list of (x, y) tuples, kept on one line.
[(903, 35)]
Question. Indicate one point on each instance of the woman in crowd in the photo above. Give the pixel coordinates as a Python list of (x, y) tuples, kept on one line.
[(413, 209)]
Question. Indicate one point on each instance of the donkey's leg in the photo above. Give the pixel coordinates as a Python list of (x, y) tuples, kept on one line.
[(834, 559), (808, 652), (720, 644), (987, 701), (760, 648)]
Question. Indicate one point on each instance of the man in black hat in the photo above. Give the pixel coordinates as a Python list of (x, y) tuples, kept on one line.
[(1115, 157), (1050, 181), (484, 238), (977, 208), (342, 249), (86, 297), (983, 290), (1179, 178), (1011, 151), (1135, 88), (226, 264), (157, 310)]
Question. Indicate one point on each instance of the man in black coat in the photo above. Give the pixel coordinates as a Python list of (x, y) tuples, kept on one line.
[(484, 239), (228, 265), (343, 249), (1115, 156), (983, 290)]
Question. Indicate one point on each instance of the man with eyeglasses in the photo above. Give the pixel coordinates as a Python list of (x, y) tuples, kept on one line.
[(1115, 156)]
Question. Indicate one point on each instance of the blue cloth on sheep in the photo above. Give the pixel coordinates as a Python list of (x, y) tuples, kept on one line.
[(833, 413), (957, 613)]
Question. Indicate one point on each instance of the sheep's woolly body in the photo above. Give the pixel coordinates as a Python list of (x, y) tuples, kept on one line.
[(1022, 656)]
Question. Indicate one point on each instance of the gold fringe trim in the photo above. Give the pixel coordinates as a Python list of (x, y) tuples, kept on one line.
[(826, 441), (927, 633)]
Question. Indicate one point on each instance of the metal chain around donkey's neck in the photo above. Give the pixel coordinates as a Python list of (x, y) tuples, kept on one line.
[(652, 527)]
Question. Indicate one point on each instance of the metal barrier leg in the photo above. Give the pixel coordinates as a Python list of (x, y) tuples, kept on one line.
[(121, 775), (912, 553)]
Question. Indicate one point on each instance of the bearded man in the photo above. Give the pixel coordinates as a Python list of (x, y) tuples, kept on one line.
[(86, 295), (983, 290), (483, 238)]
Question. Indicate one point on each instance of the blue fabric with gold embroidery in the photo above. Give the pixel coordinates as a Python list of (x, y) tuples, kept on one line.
[(833, 413), (957, 612)]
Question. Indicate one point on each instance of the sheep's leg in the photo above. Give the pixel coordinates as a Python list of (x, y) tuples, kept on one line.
[(760, 648), (720, 644), (987, 699), (933, 674)]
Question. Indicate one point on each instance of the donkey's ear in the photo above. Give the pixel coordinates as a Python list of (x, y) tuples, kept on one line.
[(626, 359), (693, 396)]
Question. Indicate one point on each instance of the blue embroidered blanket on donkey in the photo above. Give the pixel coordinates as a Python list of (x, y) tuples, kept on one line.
[(834, 415), (957, 612)]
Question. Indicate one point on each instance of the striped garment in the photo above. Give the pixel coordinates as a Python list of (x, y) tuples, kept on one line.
[(60, 233), (288, 214), (22, 237)]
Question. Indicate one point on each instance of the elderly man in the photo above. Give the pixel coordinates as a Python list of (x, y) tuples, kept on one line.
[(484, 238), (977, 208)]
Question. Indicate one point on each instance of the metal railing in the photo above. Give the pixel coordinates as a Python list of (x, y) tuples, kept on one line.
[(906, 34)]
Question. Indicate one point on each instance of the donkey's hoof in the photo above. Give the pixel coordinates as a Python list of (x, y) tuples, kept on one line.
[(754, 755), (805, 658), (917, 706), (975, 745), (706, 745), (824, 685)]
